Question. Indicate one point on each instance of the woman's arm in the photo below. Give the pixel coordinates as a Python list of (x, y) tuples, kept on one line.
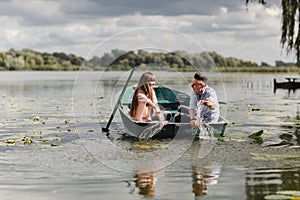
[(156, 109), (141, 107), (140, 111), (155, 106)]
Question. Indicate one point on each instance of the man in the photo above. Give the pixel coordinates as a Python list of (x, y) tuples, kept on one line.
[(204, 105)]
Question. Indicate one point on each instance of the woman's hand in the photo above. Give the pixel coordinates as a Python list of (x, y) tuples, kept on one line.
[(164, 123), (150, 102)]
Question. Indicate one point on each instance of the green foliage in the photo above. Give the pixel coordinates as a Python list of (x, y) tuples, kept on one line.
[(28, 59), (179, 61), (115, 60), (256, 135)]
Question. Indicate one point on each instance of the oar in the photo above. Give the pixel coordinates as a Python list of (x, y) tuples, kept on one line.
[(105, 129)]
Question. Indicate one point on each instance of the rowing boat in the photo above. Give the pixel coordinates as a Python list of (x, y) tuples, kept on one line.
[(290, 84), (169, 100)]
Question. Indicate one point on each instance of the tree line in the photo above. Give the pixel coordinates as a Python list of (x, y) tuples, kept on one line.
[(27, 59)]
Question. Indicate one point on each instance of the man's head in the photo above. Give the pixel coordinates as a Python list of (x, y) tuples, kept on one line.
[(199, 82)]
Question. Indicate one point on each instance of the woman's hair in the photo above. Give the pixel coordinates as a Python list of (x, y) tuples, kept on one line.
[(146, 78), (144, 87)]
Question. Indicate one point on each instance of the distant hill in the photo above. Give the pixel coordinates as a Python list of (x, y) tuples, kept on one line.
[(27, 59)]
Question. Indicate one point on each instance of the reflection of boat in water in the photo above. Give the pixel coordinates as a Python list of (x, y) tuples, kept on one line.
[(169, 100), (291, 84)]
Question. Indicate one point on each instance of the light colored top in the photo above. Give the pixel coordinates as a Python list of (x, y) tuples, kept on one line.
[(207, 115), (144, 112)]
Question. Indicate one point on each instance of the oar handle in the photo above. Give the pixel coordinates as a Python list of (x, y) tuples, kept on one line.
[(105, 129)]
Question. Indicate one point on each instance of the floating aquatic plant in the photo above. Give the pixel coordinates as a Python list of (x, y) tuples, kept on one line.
[(282, 195), (274, 157), (278, 197), (223, 138), (36, 119), (147, 146), (11, 142), (26, 140), (256, 135), (294, 193), (44, 140)]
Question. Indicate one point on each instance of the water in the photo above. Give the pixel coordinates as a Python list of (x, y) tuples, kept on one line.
[(70, 158)]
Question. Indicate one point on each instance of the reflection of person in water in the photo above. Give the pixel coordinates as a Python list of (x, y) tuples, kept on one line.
[(199, 184), (145, 182), (204, 176)]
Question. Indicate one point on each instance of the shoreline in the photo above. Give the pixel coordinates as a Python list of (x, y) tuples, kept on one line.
[(288, 70)]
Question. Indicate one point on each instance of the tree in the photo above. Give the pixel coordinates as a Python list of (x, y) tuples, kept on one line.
[(260, 1), (290, 27), (290, 13)]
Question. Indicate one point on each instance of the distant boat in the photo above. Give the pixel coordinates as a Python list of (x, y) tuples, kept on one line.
[(291, 84), (169, 100)]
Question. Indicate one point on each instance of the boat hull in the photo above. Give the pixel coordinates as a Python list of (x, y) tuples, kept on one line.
[(286, 85), (171, 130)]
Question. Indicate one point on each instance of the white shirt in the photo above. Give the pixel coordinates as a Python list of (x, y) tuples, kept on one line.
[(207, 115)]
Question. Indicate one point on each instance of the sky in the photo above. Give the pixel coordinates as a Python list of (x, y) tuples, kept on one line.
[(92, 27)]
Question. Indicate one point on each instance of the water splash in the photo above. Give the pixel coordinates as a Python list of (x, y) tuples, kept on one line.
[(206, 134), (207, 140), (153, 130)]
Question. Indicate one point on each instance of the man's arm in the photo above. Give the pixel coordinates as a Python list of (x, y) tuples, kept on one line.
[(193, 105), (192, 113)]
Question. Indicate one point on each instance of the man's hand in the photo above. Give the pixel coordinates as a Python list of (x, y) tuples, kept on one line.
[(208, 103), (193, 123)]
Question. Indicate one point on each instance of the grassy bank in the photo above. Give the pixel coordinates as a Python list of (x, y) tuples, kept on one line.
[(292, 69)]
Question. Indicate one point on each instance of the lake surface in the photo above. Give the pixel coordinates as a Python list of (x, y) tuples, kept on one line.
[(52, 146)]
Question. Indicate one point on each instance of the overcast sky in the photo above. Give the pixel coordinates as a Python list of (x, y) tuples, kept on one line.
[(79, 26)]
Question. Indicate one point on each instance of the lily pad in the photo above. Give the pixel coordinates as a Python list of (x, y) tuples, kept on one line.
[(277, 197), (223, 138), (280, 144), (26, 140), (272, 157), (256, 135), (147, 146), (36, 119), (11, 141), (44, 140), (295, 193)]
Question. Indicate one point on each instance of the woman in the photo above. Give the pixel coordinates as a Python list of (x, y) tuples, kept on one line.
[(144, 101)]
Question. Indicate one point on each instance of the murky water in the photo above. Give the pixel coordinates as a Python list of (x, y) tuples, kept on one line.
[(52, 146)]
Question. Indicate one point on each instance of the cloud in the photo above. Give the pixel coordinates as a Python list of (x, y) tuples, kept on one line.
[(145, 7), (35, 13), (227, 27)]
